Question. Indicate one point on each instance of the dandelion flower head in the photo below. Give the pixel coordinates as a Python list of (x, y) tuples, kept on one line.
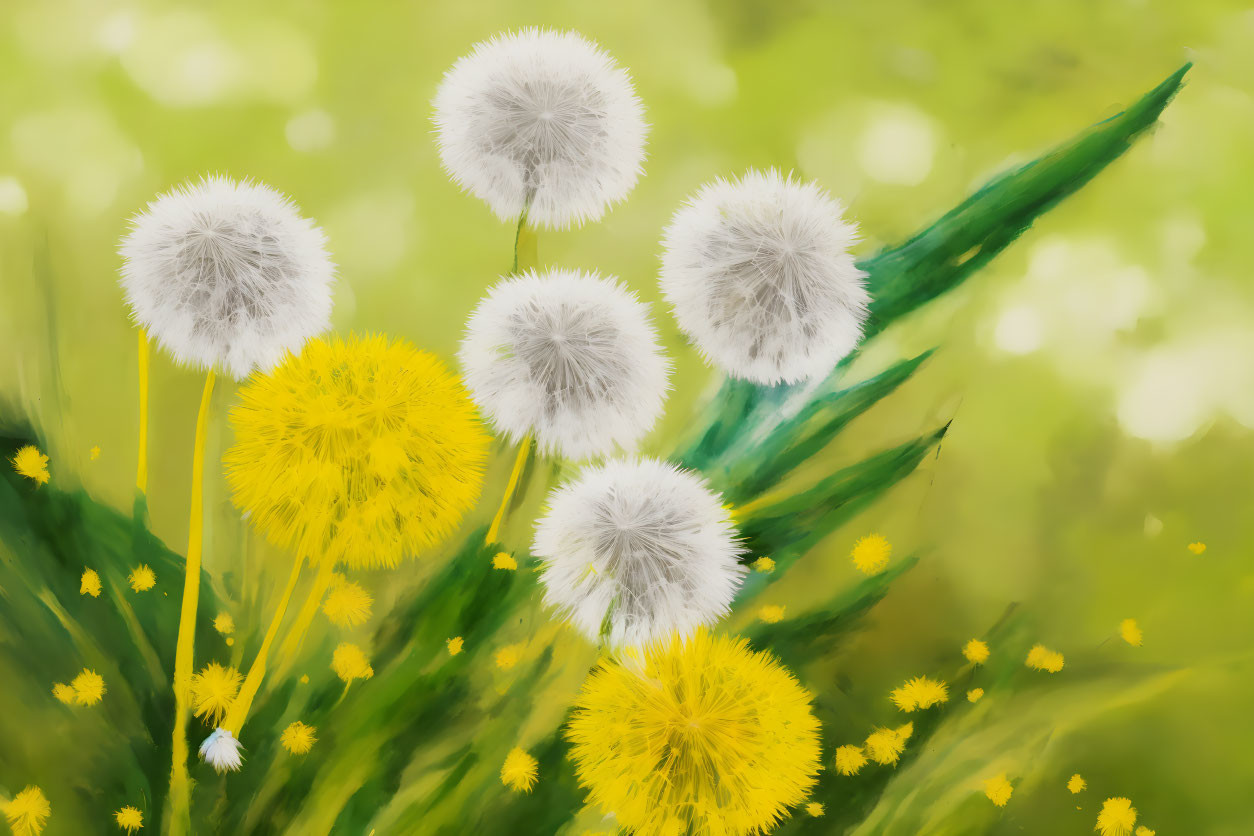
[(727, 756), (1076, 783), (849, 759), (870, 554), (1131, 632), (89, 687), (28, 812), (129, 819), (455, 645), (1041, 658), (298, 738), (519, 771), (976, 651), (884, 746), (64, 693), (222, 751), (349, 662), (224, 623), (771, 614), (975, 695), (348, 604), (89, 584), (764, 565), (815, 809), (142, 578), (32, 464), (920, 692), (213, 691), (1117, 817), (998, 790), (361, 451), (504, 560)]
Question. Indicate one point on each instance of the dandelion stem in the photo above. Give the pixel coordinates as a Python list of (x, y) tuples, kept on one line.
[(291, 643), (526, 256), (252, 683), (141, 470), (515, 476), (180, 785)]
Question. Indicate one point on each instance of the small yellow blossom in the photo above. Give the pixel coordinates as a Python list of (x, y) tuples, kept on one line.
[(1131, 632), (1197, 548), (28, 812), (213, 691), (1076, 784), (1117, 817), (304, 679), (90, 583), (89, 687), (975, 694), (142, 578), (504, 561), (455, 645), (519, 771), (976, 651), (224, 624), (129, 819), (507, 657), (771, 614), (1144, 831), (63, 692), (347, 604), (815, 809), (298, 738), (764, 565), (886, 745), (920, 692), (870, 554), (32, 464), (94, 452), (1042, 658), (998, 790), (230, 642), (349, 663), (849, 759)]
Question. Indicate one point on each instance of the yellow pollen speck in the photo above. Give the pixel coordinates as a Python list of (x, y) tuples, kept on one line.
[(849, 759), (870, 554), (920, 692), (1076, 783), (142, 578), (213, 691), (224, 624), (815, 809), (975, 694), (504, 561), (764, 565), (63, 692), (1131, 632), (1197, 548), (519, 771), (998, 790), (1117, 817), (27, 812), (32, 464), (771, 614), (298, 738), (976, 651), (455, 645), (1042, 658), (94, 452), (129, 819), (507, 657), (90, 583), (89, 687), (349, 663)]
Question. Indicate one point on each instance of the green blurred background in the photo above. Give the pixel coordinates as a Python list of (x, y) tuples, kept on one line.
[(1098, 373)]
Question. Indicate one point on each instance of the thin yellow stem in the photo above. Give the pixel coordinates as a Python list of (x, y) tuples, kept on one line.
[(520, 464), (180, 784), (252, 683), (296, 635), (141, 470)]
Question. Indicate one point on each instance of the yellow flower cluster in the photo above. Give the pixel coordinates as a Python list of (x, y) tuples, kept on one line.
[(88, 688), (1041, 658)]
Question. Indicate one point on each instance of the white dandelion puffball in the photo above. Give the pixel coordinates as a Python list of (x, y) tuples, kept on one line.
[(227, 275), (567, 356), (636, 551), (541, 120), (759, 274), (221, 750)]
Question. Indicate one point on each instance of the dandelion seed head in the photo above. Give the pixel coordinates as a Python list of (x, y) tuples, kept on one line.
[(728, 757), (759, 274), (569, 357), (1076, 784), (222, 751), (976, 651), (640, 548), (519, 771), (227, 275), (998, 790), (298, 738), (129, 819), (360, 451), (1041, 658), (32, 464), (142, 578), (849, 759), (455, 645), (544, 121), (349, 662), (1117, 817), (870, 554), (89, 687), (28, 812), (1131, 632), (920, 692), (347, 603), (89, 584), (213, 690)]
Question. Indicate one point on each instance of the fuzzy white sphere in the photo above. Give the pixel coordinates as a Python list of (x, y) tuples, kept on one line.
[(227, 275), (567, 356), (221, 751), (542, 118), (640, 547), (759, 274)]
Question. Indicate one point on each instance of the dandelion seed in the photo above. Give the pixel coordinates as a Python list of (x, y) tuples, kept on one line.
[(349, 663), (64, 693), (142, 578), (1197, 548), (94, 453), (543, 122), (129, 819), (1117, 817), (347, 604), (976, 651), (849, 759), (213, 691), (640, 548), (28, 812), (32, 464), (507, 657), (568, 357), (89, 687), (998, 790), (975, 694), (455, 645), (764, 565), (298, 738), (1076, 784), (815, 809), (730, 763), (771, 614), (501, 560), (519, 771), (870, 554), (90, 583), (759, 274), (1042, 658), (222, 751), (1131, 632), (920, 692), (224, 623), (884, 746)]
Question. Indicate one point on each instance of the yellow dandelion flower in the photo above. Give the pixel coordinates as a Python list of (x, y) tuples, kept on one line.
[(815, 809), (1076, 784), (230, 642), (349, 663), (849, 759), (89, 584), (1041, 658), (1117, 817), (94, 452), (455, 645), (920, 692), (763, 565), (886, 745), (1144, 831), (129, 819), (224, 624), (213, 691), (32, 464), (730, 756), (27, 812), (1130, 631), (975, 694), (347, 604), (519, 771), (870, 554), (1196, 548), (501, 560), (998, 790), (360, 451), (89, 687), (298, 738), (142, 578), (507, 657), (976, 651), (771, 614), (63, 692)]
